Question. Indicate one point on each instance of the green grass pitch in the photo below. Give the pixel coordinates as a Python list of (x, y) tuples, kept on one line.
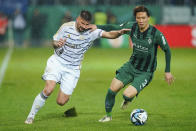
[(170, 108)]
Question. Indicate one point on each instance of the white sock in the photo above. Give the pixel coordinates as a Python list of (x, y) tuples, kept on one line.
[(37, 104)]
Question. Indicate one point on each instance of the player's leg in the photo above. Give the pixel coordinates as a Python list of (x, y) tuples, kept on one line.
[(68, 83), (140, 81), (129, 93), (51, 77), (116, 85), (123, 77), (40, 100), (62, 98)]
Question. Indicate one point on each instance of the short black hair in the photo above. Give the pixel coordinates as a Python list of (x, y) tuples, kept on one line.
[(141, 9), (86, 15)]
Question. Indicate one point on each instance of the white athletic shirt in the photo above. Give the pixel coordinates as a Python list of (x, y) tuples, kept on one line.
[(76, 44)]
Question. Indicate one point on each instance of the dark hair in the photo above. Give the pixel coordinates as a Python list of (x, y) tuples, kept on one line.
[(141, 9), (86, 15)]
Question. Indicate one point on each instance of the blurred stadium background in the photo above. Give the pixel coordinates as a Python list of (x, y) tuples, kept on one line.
[(26, 31), (35, 21)]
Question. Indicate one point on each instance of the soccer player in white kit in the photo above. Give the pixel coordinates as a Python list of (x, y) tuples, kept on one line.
[(71, 41)]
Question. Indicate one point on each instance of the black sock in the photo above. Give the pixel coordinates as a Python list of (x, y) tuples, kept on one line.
[(127, 98)]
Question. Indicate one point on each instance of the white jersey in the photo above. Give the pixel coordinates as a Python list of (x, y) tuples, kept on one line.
[(76, 43)]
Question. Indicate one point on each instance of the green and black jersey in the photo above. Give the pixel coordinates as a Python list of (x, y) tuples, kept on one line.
[(145, 45)]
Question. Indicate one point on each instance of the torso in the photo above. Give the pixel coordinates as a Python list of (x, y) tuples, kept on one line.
[(144, 48), (76, 44)]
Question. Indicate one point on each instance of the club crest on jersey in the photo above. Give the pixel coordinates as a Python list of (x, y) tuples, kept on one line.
[(149, 41), (81, 37), (68, 35)]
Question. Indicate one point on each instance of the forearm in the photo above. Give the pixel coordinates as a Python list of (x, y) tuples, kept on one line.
[(112, 34), (167, 59), (109, 27)]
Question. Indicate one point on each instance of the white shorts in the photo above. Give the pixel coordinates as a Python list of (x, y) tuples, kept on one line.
[(63, 74)]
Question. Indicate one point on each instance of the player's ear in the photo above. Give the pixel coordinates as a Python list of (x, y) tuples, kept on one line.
[(148, 18)]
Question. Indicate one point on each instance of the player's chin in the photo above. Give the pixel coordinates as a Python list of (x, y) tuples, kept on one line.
[(141, 25)]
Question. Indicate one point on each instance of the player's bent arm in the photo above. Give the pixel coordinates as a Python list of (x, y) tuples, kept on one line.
[(114, 34), (57, 44)]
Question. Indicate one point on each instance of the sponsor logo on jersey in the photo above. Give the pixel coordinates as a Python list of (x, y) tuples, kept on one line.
[(140, 47), (81, 37), (149, 41)]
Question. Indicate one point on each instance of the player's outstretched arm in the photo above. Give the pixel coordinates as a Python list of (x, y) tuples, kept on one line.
[(110, 27), (114, 34), (60, 43), (107, 27)]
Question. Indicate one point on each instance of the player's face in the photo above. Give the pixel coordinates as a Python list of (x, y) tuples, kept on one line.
[(142, 19), (81, 24)]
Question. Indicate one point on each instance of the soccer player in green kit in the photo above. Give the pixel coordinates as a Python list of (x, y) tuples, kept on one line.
[(138, 71)]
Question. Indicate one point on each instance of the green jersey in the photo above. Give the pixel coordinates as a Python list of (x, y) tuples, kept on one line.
[(145, 45)]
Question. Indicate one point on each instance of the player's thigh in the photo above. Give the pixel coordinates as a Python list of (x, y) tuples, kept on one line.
[(69, 80), (68, 83), (124, 74), (141, 81), (53, 70)]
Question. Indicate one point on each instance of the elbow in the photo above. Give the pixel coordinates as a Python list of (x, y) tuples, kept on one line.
[(54, 45)]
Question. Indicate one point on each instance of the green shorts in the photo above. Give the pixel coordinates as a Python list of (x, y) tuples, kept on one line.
[(138, 79)]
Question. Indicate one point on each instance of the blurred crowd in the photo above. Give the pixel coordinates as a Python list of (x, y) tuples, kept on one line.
[(112, 2), (16, 11), (37, 23)]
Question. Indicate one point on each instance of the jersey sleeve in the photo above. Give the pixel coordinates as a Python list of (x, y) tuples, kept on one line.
[(165, 47), (59, 33), (96, 34), (110, 27)]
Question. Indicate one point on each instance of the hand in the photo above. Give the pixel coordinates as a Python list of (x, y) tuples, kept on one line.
[(124, 31), (169, 78), (59, 43), (92, 27)]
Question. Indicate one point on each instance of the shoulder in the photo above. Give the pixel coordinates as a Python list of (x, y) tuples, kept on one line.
[(157, 31), (158, 34), (154, 31), (68, 24)]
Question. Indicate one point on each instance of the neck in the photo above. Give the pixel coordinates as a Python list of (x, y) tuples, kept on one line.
[(76, 27), (144, 29)]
